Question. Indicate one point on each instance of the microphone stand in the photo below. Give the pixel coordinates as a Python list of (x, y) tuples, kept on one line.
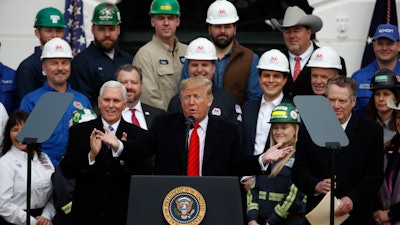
[(189, 125), (29, 142)]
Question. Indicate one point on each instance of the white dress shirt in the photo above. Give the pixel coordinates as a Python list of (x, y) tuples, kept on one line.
[(304, 58), (139, 113), (263, 125)]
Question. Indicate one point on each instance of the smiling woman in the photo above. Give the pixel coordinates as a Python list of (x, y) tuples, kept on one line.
[(278, 186), (13, 175)]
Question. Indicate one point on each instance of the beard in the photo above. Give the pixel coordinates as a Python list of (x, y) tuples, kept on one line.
[(105, 47), (222, 43)]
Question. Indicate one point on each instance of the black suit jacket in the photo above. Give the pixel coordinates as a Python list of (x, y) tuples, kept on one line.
[(150, 112), (223, 150), (358, 168), (249, 122), (102, 189), (302, 86)]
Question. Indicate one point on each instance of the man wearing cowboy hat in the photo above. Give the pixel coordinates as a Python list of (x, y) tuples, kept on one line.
[(297, 28)]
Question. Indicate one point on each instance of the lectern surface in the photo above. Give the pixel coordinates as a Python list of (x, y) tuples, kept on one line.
[(149, 195)]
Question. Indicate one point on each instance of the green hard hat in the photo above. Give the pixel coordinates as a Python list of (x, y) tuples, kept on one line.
[(165, 7), (82, 115), (285, 113), (49, 17), (106, 14)]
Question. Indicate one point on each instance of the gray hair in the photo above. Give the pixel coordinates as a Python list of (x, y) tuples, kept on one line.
[(114, 84), (343, 82)]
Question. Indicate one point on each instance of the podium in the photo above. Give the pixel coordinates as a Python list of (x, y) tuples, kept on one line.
[(165, 200)]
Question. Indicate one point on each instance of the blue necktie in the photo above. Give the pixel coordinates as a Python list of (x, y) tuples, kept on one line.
[(111, 128)]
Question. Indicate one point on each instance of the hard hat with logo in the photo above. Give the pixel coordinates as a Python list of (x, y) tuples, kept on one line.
[(325, 57), (222, 12), (165, 7), (273, 60), (56, 48), (82, 115), (106, 14), (384, 79), (201, 49), (49, 17), (285, 113)]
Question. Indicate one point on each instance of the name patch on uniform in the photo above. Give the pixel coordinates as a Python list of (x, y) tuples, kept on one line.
[(364, 86), (164, 61)]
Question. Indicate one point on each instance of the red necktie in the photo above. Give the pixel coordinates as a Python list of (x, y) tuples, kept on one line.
[(297, 68), (135, 121), (193, 155)]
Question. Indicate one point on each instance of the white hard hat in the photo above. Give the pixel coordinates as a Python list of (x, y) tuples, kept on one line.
[(274, 60), (201, 49), (56, 48), (325, 57), (222, 12)]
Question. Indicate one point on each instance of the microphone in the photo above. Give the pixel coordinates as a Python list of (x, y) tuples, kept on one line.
[(189, 125), (189, 122)]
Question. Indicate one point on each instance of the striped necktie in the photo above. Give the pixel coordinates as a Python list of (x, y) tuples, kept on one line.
[(194, 152)]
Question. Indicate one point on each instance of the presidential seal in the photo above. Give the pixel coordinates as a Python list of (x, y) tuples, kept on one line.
[(184, 206)]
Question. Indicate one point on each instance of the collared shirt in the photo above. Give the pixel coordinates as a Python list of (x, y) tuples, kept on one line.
[(387, 132), (201, 131), (161, 68), (139, 113), (363, 79), (29, 76), (263, 125), (344, 125), (13, 176), (8, 88), (115, 153), (304, 58), (91, 68)]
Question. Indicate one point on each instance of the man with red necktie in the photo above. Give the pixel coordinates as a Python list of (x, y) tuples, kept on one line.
[(136, 112), (220, 150), (297, 28)]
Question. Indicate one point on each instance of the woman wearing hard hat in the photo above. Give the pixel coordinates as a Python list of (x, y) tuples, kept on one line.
[(388, 208), (384, 85), (274, 199)]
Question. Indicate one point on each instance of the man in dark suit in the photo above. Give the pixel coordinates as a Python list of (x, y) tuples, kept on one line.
[(273, 73), (102, 172), (297, 28), (358, 166), (221, 152), (136, 112)]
